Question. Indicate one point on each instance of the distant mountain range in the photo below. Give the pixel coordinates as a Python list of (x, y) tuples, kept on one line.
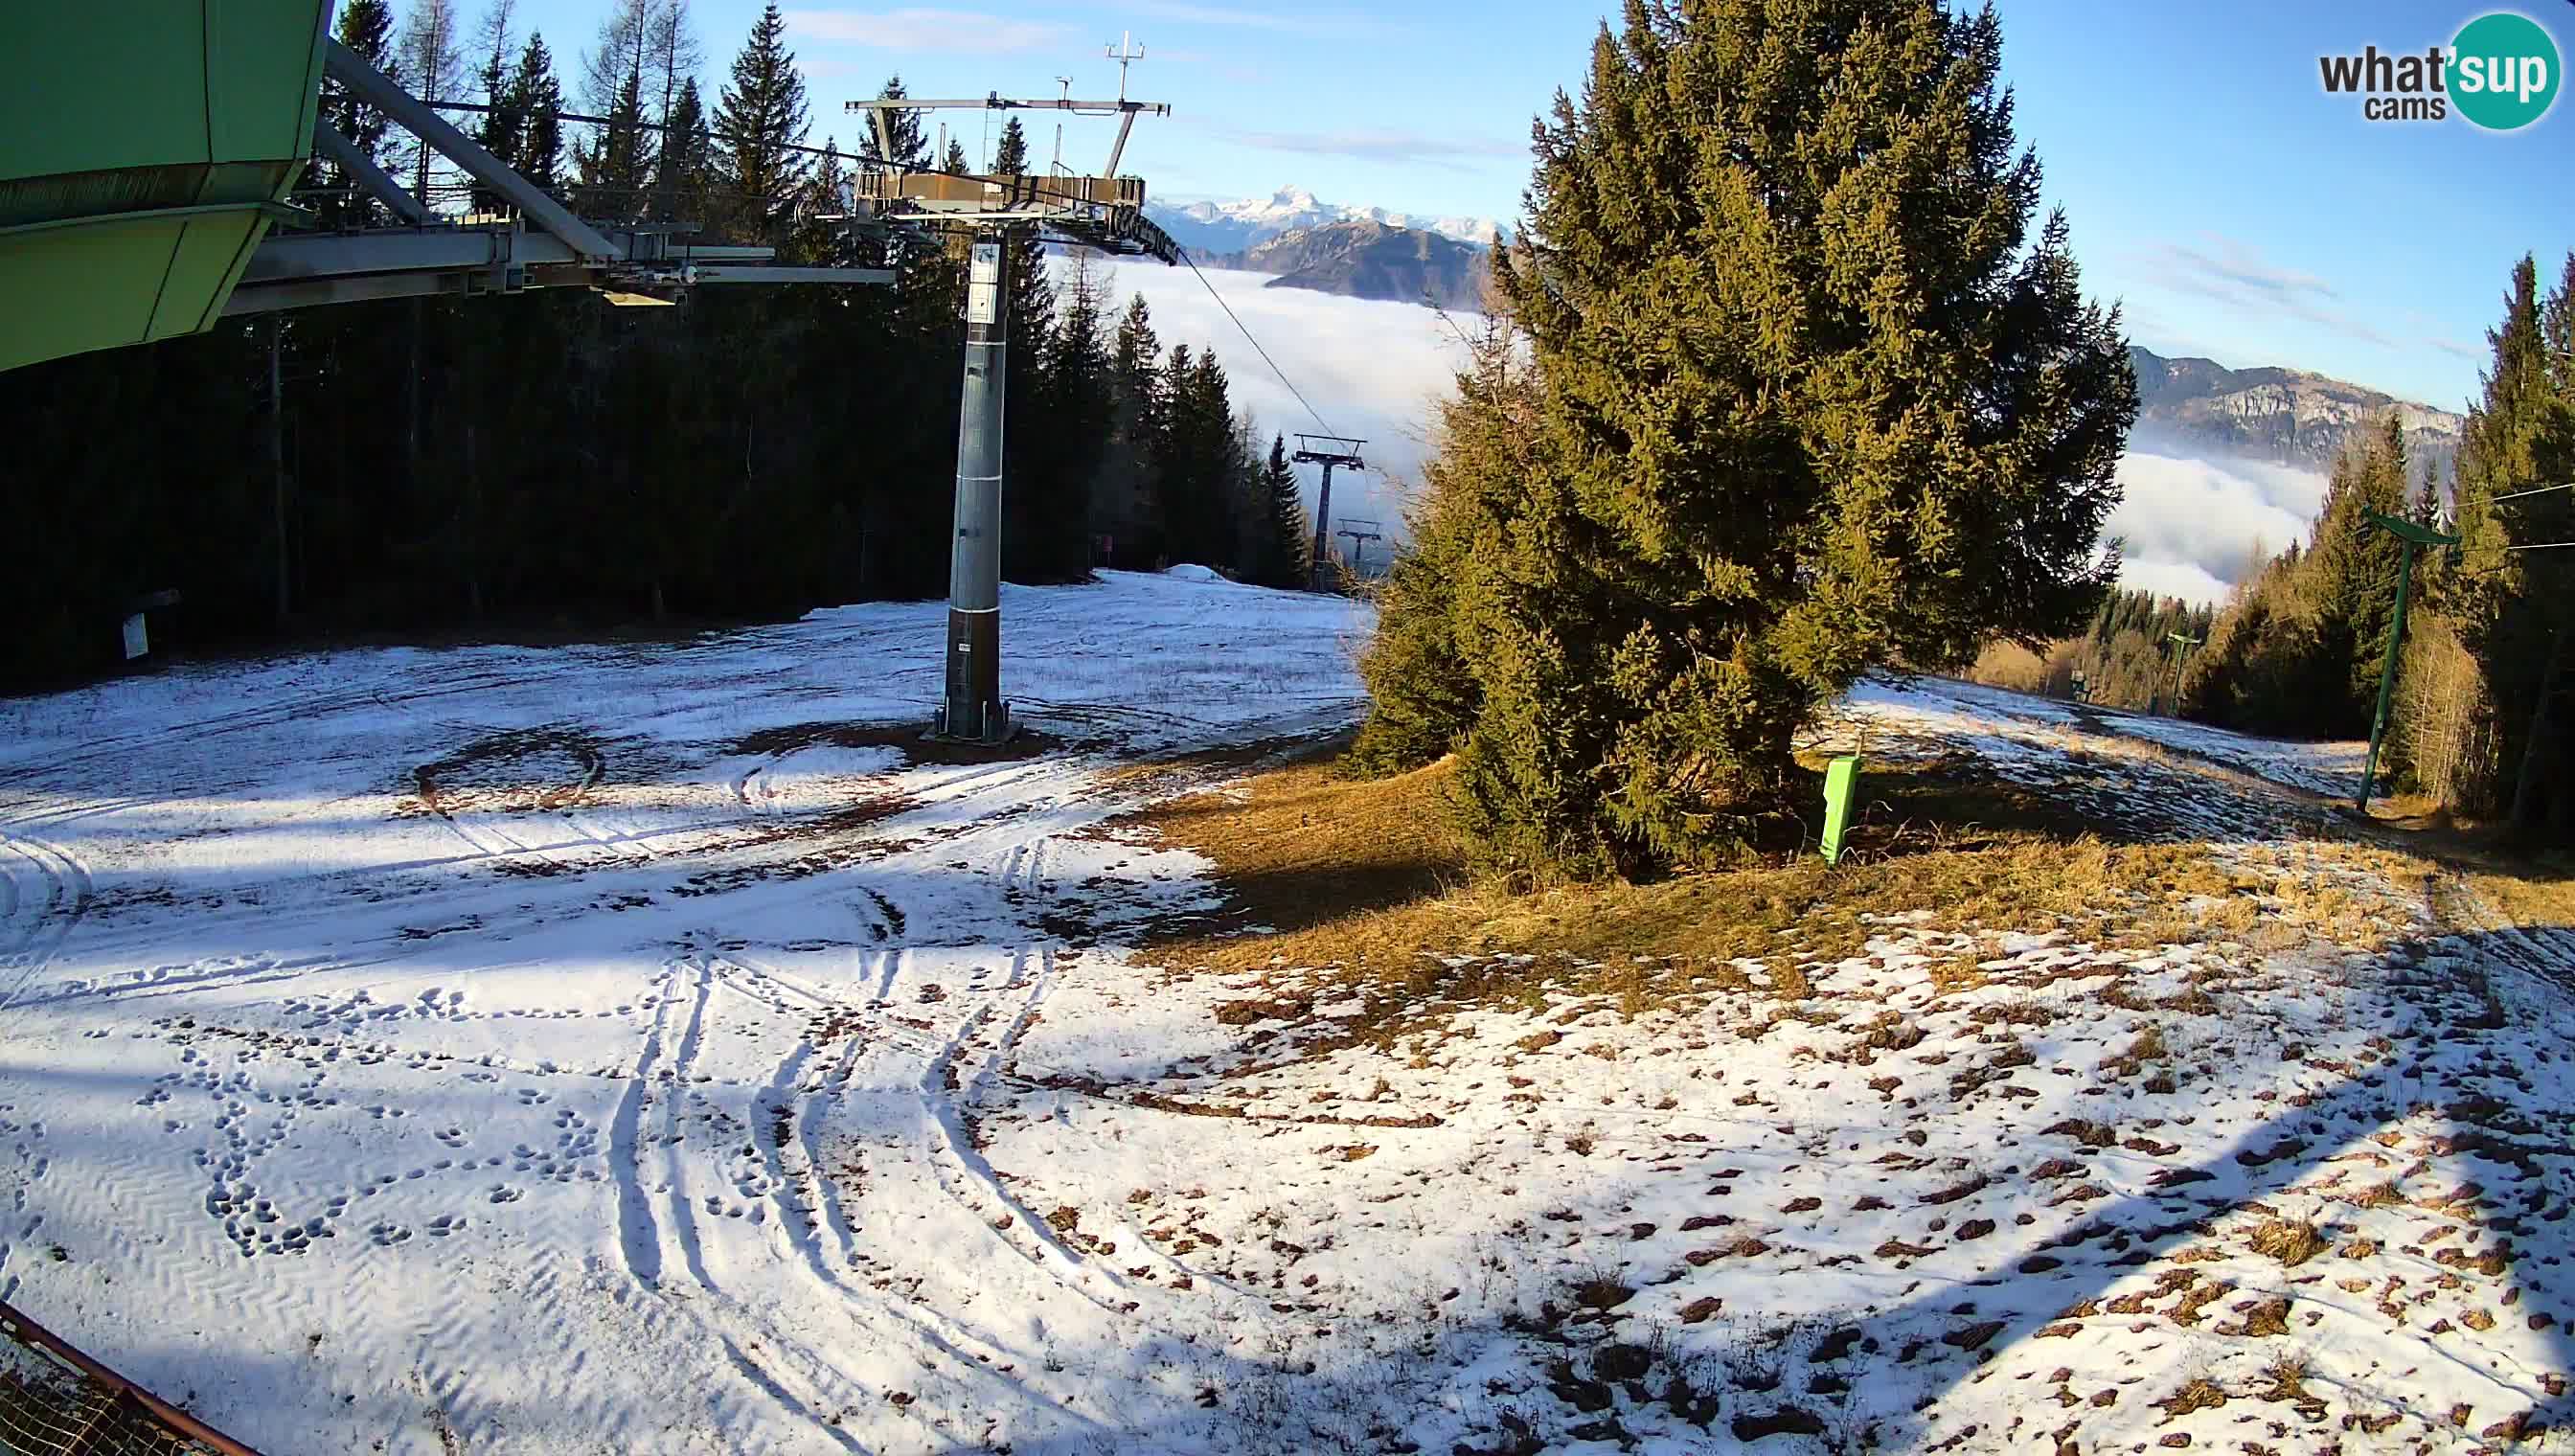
[(1236, 227), (1368, 260), (2187, 406), (2288, 417)]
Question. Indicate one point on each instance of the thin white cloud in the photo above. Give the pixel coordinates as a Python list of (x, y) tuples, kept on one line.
[(1280, 21), (2237, 275), (918, 29), (1380, 146)]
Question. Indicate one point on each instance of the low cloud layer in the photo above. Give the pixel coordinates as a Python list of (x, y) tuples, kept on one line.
[(1377, 369), (1373, 370), (2193, 526)]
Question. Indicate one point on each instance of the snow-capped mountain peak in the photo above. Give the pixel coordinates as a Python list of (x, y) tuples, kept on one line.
[(1232, 226)]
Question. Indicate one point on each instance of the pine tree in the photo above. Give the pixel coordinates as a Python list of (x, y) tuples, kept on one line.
[(537, 98), (2351, 576), (1815, 399), (761, 120), (1127, 511), (911, 147), (1083, 406), (1284, 560), (682, 175), (617, 165), (955, 164), (366, 27), (2510, 609)]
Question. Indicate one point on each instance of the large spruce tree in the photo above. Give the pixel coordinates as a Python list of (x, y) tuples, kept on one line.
[(2514, 608), (537, 97), (759, 122), (1814, 399)]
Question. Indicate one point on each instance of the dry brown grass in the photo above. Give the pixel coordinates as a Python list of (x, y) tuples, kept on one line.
[(2291, 1241), (1368, 875)]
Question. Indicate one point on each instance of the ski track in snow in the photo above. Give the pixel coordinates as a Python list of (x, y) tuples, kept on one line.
[(616, 1048)]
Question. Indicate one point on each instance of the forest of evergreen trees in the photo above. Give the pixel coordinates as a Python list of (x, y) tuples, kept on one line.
[(2478, 723), (547, 456)]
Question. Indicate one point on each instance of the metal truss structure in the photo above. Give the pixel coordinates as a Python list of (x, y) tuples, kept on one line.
[(1106, 212), (544, 246), (1330, 452)]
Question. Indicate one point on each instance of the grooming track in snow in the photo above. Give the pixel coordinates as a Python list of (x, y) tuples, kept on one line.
[(654, 1048)]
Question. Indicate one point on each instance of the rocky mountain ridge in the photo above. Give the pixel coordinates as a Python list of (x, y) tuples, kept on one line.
[(2290, 417)]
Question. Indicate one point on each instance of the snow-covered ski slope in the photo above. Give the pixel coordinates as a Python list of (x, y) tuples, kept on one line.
[(639, 1048)]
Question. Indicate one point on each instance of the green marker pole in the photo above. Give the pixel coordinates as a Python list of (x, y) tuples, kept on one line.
[(2387, 676), (2413, 536), (1841, 787)]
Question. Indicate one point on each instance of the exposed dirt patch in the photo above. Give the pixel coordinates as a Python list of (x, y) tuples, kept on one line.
[(911, 741), (529, 770)]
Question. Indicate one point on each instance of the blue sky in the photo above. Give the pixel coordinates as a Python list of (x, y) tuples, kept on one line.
[(2236, 210)]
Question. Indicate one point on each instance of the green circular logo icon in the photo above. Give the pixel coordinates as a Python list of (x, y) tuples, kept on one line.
[(2504, 71)]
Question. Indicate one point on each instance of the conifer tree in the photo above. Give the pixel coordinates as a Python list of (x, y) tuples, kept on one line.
[(1284, 546), (761, 120), (2512, 609), (537, 98), (1126, 510), (2351, 576), (1081, 412), (366, 27), (681, 175), (616, 164), (911, 147), (433, 68), (1816, 398), (501, 130)]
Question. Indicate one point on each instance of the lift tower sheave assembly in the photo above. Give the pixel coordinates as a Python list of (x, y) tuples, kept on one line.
[(1327, 451), (1106, 213)]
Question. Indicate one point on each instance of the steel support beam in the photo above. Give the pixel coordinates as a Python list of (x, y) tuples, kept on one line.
[(975, 709), (379, 184), (749, 273), (373, 87)]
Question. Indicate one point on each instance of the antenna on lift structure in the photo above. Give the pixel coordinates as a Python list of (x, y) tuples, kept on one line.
[(1328, 451), (1062, 92), (1125, 53), (1107, 213)]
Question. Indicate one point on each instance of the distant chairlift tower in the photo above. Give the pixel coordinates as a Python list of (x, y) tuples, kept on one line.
[(1104, 213), (1358, 534), (1327, 451)]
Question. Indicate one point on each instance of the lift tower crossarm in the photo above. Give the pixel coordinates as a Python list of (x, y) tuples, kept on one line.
[(1004, 103), (377, 90), (1327, 451)]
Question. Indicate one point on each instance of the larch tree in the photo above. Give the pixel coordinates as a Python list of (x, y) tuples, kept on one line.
[(501, 128), (433, 68), (1816, 397)]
